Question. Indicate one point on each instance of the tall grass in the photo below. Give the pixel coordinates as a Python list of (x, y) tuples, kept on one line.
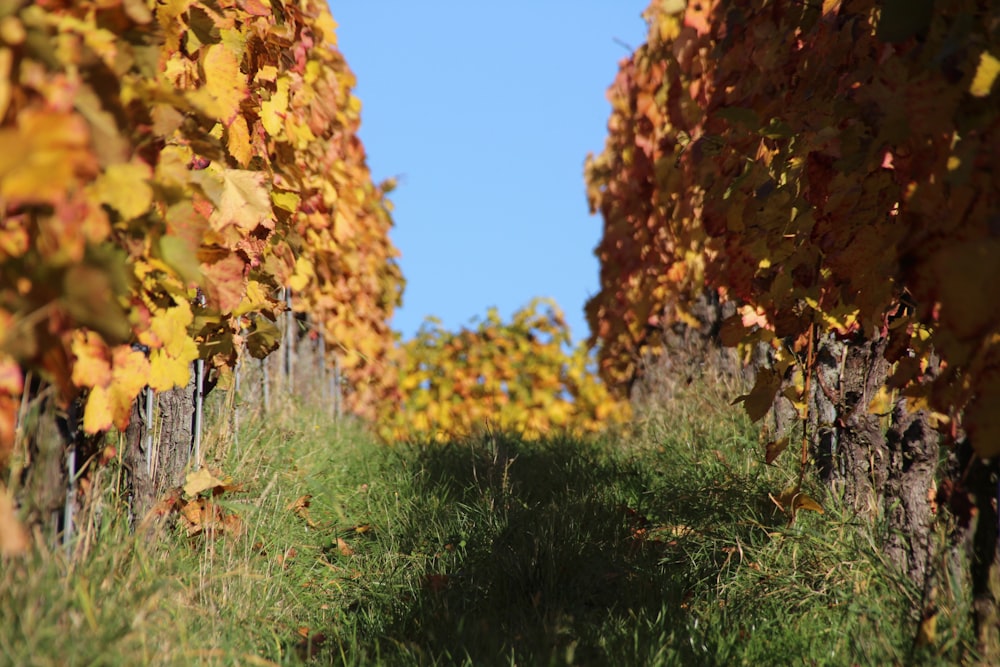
[(661, 546)]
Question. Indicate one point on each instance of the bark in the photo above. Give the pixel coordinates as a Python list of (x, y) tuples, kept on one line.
[(879, 472), (913, 448), (42, 487), (155, 471), (688, 353), (970, 493)]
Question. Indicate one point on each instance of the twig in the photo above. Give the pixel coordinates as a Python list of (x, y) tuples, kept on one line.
[(805, 418)]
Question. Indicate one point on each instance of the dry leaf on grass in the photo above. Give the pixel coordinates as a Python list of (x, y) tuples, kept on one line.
[(14, 539)]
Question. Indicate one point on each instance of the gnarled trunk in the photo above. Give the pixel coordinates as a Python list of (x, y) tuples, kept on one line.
[(878, 468), (156, 460)]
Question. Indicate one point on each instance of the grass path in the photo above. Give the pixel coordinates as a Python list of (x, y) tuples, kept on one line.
[(657, 548)]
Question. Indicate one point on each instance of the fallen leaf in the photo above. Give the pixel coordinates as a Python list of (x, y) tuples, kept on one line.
[(301, 508), (927, 633), (199, 481), (437, 582), (194, 514), (344, 548)]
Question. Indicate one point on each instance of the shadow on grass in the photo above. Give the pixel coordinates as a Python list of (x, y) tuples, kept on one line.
[(556, 552)]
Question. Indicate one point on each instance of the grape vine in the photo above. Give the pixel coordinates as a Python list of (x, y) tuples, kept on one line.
[(515, 376), (830, 167), (167, 169)]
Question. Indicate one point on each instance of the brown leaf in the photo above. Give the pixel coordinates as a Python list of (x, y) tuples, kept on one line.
[(344, 548), (732, 331), (791, 501), (194, 514), (232, 524), (285, 557), (774, 449), (301, 508), (437, 582)]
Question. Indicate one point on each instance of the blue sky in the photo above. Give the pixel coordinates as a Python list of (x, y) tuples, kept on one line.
[(485, 112)]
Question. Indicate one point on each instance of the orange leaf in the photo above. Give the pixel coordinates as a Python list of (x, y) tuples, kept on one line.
[(238, 141), (193, 512), (225, 282), (301, 507), (92, 367), (14, 538)]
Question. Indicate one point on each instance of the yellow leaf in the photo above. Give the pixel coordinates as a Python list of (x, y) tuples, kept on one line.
[(42, 158), (327, 26), (167, 326), (173, 348), (241, 197), (92, 367), (6, 59), (238, 141), (881, 404), (986, 75), (303, 274), (224, 87), (171, 328), (300, 135), (256, 298), (200, 480), (125, 188), (168, 372), (793, 501), (927, 632), (129, 375), (272, 111), (285, 200), (804, 502), (180, 255), (830, 6), (97, 413)]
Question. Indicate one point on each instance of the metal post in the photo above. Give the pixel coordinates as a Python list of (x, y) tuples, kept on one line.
[(149, 433), (70, 498), (321, 353), (289, 342), (235, 424), (337, 409), (266, 382), (199, 383)]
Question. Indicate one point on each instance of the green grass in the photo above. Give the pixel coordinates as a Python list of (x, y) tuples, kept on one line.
[(660, 547)]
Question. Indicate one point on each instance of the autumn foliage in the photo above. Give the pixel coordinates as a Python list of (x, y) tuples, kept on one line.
[(517, 376), (829, 166), (167, 168)]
